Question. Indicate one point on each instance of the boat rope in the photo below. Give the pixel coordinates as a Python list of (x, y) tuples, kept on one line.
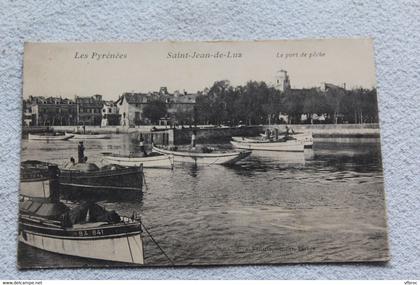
[(151, 237), (129, 247), (213, 162)]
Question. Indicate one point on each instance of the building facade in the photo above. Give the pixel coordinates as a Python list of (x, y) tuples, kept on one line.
[(110, 114), (131, 106), (51, 111), (89, 110)]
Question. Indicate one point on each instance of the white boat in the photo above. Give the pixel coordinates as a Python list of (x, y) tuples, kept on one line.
[(153, 160), (227, 157), (289, 146), (87, 136), (121, 241), (87, 230), (49, 137), (306, 138), (248, 139)]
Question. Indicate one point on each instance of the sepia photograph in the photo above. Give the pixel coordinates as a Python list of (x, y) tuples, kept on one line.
[(200, 153)]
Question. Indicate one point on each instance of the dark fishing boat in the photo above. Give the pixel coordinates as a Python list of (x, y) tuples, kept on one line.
[(86, 230), (88, 181)]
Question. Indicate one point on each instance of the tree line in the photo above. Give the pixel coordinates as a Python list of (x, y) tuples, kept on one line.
[(257, 103)]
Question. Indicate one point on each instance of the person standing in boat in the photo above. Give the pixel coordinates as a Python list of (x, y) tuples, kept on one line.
[(288, 132), (80, 153), (268, 134), (193, 139), (141, 144)]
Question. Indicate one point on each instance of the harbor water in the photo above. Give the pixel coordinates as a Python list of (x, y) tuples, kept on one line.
[(324, 205)]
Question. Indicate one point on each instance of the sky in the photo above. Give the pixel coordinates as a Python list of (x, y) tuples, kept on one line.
[(110, 69)]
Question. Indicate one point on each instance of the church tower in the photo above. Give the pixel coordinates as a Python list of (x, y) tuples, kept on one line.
[(282, 81)]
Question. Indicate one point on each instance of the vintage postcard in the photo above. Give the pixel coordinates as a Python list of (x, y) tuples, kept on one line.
[(200, 153)]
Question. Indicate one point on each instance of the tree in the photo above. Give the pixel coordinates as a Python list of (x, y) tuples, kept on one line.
[(292, 104), (314, 103), (155, 110), (184, 117), (334, 97)]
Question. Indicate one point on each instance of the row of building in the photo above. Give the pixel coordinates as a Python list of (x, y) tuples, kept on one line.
[(128, 110)]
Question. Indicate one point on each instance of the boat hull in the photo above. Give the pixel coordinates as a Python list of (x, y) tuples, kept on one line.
[(158, 161), (89, 136), (119, 184), (306, 138), (93, 243), (205, 158), (49, 138), (288, 146)]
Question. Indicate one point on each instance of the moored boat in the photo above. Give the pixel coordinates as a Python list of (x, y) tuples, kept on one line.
[(197, 157), (88, 135), (86, 230), (88, 181), (287, 146), (305, 137), (49, 137), (152, 160), (248, 139)]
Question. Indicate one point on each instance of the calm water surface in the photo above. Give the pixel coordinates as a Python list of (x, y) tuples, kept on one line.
[(325, 205)]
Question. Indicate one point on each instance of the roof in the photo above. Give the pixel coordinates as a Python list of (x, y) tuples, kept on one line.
[(138, 98), (188, 98), (332, 86), (135, 98)]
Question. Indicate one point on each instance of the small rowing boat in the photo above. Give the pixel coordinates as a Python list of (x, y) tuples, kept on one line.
[(86, 230), (199, 157), (88, 136), (49, 137), (249, 139), (152, 160), (288, 146), (305, 137)]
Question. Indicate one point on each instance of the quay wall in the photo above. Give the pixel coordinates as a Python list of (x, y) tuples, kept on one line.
[(208, 134)]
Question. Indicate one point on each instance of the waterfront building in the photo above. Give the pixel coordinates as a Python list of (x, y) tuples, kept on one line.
[(110, 114), (51, 111), (28, 118), (89, 110), (131, 106)]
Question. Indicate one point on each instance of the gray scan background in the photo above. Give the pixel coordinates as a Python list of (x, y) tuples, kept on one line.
[(394, 25)]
